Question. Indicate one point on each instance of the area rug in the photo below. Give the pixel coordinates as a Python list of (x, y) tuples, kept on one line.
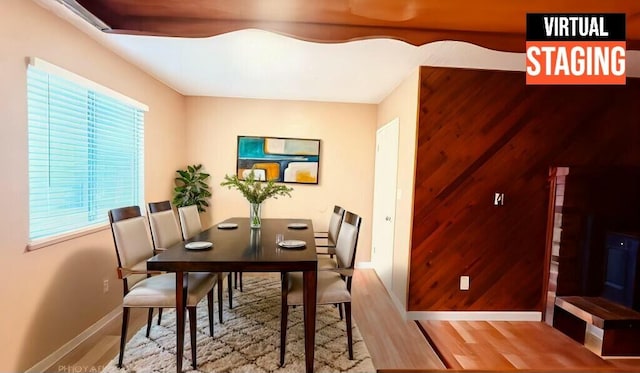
[(249, 338)]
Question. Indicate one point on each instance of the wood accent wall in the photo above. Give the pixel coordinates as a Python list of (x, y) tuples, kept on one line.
[(482, 132)]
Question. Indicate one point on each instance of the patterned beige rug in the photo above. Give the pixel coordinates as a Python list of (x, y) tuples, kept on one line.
[(249, 338)]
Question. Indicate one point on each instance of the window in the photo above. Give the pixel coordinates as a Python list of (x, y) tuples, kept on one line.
[(85, 151)]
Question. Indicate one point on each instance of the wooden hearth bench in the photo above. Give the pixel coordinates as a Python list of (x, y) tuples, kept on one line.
[(620, 325)]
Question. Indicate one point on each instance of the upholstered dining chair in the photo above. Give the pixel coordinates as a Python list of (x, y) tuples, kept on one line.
[(326, 241), (191, 225), (334, 286), (166, 233), (189, 221), (145, 289)]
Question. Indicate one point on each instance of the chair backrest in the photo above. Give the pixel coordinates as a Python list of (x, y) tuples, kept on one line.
[(159, 206), (189, 221), (133, 246), (335, 223), (348, 240), (164, 227)]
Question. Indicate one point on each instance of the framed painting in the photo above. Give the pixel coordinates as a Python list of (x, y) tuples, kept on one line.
[(287, 160)]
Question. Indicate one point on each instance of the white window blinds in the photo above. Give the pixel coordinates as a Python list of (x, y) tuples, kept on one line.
[(85, 154)]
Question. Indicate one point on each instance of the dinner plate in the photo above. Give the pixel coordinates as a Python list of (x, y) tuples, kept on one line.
[(227, 225), (297, 226), (198, 245), (292, 244)]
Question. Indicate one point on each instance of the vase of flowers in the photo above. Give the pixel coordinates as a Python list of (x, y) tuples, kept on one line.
[(256, 192)]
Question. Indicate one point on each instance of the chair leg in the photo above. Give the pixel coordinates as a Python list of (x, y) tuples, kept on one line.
[(220, 281), (240, 275), (123, 334), (284, 312), (347, 315), (339, 305), (192, 330), (230, 291), (149, 320), (159, 315), (210, 309)]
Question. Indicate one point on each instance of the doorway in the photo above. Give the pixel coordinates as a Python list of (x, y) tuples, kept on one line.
[(384, 201)]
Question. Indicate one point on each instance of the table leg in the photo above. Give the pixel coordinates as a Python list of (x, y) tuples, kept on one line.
[(310, 285), (181, 295)]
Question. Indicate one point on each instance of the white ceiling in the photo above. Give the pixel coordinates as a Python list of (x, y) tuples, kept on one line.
[(259, 64)]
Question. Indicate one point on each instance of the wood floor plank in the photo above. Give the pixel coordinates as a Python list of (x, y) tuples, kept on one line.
[(95, 352), (463, 332), (504, 346), (100, 350), (394, 343), (454, 356)]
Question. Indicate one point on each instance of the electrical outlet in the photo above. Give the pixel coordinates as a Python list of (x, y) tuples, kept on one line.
[(105, 286), (464, 282)]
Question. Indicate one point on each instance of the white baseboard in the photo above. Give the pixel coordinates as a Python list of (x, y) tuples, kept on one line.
[(475, 315), (399, 306), (45, 364)]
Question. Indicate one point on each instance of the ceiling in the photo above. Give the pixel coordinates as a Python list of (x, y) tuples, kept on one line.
[(330, 50)]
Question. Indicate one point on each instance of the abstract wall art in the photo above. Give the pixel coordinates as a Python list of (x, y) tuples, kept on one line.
[(286, 160)]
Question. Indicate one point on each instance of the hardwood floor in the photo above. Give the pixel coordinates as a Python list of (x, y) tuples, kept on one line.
[(395, 344), (398, 345), (510, 346), (94, 353)]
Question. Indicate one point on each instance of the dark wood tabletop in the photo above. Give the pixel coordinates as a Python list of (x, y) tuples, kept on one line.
[(243, 249)]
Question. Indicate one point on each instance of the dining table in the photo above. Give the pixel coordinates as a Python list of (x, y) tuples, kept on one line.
[(236, 247)]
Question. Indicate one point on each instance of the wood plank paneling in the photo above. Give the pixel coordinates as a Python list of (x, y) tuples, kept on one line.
[(482, 132)]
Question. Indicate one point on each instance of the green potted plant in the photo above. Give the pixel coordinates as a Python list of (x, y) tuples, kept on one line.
[(256, 192), (191, 188)]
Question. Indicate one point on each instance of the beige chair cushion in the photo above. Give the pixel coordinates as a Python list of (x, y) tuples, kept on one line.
[(164, 229), (331, 289), (326, 263), (190, 221), (346, 245), (334, 226), (160, 290), (132, 241), (133, 279)]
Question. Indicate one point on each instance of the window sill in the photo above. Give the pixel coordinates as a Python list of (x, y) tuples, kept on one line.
[(53, 240)]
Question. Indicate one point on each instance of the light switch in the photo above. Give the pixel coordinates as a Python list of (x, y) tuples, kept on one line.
[(464, 282), (498, 199)]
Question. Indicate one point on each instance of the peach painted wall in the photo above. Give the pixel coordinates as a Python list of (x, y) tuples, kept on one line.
[(50, 295), (402, 103), (347, 132)]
